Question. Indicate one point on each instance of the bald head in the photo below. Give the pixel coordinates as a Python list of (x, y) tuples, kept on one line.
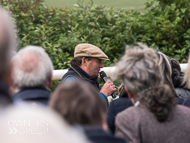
[(31, 67)]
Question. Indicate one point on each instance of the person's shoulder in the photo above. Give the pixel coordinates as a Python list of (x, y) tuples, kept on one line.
[(128, 117), (135, 111), (123, 102), (183, 92), (131, 111), (120, 100), (182, 108), (182, 113), (188, 98), (70, 74), (187, 102)]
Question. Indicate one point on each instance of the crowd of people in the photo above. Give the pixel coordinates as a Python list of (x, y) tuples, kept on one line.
[(153, 104)]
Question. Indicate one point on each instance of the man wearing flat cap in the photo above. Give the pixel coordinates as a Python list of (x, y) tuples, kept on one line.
[(86, 65)]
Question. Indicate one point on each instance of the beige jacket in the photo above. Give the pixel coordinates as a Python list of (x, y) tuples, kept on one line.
[(139, 125)]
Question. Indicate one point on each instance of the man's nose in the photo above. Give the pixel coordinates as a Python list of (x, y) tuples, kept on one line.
[(101, 65)]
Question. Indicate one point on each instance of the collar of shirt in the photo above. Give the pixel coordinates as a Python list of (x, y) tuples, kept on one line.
[(137, 103), (83, 73), (94, 79)]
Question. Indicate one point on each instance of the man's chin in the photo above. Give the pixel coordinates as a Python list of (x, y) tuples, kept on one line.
[(95, 76)]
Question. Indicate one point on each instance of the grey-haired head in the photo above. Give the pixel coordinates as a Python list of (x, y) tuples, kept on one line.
[(31, 67)]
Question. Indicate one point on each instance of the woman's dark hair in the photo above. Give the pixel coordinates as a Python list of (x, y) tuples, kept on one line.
[(177, 75), (141, 73), (160, 101), (77, 61), (79, 103), (166, 68), (122, 92)]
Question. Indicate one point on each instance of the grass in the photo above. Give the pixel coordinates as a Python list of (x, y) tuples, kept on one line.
[(129, 4)]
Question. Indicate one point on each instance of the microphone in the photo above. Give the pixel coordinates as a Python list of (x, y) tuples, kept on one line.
[(104, 77)]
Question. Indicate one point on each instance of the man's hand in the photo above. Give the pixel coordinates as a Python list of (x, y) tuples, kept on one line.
[(108, 88)]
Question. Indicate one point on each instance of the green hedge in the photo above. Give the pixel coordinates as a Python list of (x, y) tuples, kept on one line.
[(163, 25)]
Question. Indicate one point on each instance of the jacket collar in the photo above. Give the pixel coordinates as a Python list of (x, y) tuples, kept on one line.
[(35, 87), (4, 90), (82, 73), (32, 93)]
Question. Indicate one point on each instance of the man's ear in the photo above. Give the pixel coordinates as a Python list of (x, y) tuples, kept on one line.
[(130, 94)]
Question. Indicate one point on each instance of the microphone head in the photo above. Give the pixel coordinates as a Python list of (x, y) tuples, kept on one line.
[(103, 74)]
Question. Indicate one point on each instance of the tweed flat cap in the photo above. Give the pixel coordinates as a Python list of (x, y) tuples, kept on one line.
[(89, 50)]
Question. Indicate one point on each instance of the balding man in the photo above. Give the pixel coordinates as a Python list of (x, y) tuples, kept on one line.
[(32, 75)]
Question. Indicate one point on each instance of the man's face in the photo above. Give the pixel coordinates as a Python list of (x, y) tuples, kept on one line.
[(93, 67)]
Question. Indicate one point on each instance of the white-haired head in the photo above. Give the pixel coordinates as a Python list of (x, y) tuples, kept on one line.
[(7, 40), (137, 69), (31, 124), (31, 67)]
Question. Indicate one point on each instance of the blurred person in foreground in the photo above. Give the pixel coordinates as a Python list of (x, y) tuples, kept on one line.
[(86, 66), (170, 68), (187, 83), (32, 75), (7, 45), (25, 124), (171, 72), (81, 106), (155, 117)]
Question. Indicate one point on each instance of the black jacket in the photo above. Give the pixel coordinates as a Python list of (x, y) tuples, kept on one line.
[(182, 92), (117, 106), (180, 100), (5, 97), (187, 102), (77, 73), (38, 94), (97, 135)]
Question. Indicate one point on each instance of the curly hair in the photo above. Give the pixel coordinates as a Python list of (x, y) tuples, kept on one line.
[(165, 65), (140, 72), (159, 101), (177, 75)]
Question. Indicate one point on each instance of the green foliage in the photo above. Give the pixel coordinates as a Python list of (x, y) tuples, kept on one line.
[(164, 26), (167, 26)]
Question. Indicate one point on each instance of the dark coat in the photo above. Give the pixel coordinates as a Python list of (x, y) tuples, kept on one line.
[(97, 135), (187, 102), (38, 94), (182, 92), (115, 107), (5, 97), (180, 100), (77, 73)]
